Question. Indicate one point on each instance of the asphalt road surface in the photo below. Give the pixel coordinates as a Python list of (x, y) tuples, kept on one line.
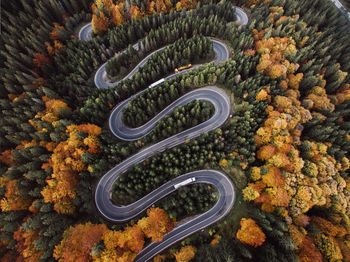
[(103, 192), (342, 8), (85, 33), (242, 17)]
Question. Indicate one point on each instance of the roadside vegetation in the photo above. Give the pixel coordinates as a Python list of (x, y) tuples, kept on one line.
[(182, 52)]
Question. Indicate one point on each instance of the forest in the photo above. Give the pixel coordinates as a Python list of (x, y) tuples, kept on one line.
[(285, 145)]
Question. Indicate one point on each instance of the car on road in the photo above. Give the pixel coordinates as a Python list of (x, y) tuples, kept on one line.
[(183, 68)]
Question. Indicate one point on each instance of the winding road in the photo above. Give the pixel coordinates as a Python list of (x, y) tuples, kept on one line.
[(213, 95), (242, 17), (340, 6), (115, 213), (220, 181), (85, 33), (102, 81)]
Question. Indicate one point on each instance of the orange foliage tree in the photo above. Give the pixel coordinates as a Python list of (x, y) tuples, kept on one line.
[(124, 245), (132, 238), (308, 252), (25, 245), (78, 242), (40, 59), (161, 6), (13, 200), (53, 107), (6, 158), (54, 34), (150, 7), (156, 225), (105, 4), (329, 228), (100, 23), (216, 240), (55, 48), (267, 152), (250, 233)]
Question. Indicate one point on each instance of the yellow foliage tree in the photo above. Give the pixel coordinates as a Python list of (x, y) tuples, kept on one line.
[(66, 162), (100, 23), (118, 14), (135, 12), (185, 254), (262, 95), (223, 162), (250, 194), (328, 247)]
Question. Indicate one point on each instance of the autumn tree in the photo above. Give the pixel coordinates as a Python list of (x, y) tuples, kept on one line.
[(118, 14), (124, 245), (135, 12), (13, 200), (40, 59), (66, 162), (161, 6), (150, 7), (185, 4), (78, 242), (250, 233), (106, 5), (100, 23), (185, 254), (156, 224), (7, 158), (328, 227), (54, 34), (132, 238), (308, 252), (328, 247), (26, 245)]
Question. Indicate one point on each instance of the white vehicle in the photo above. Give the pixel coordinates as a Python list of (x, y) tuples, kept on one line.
[(157, 83), (184, 183)]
